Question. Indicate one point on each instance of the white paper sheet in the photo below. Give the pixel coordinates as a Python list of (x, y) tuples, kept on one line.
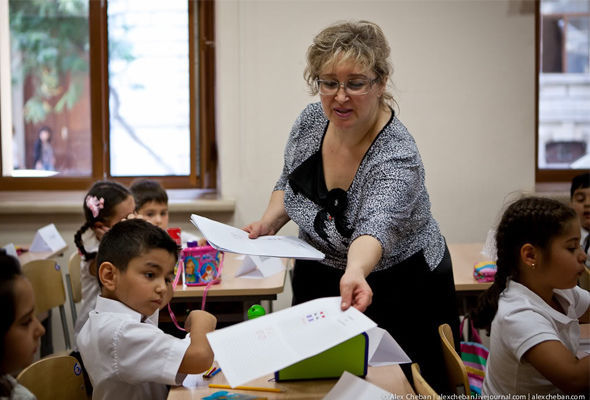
[(256, 267), (233, 240), (384, 350), (351, 387), (11, 250), (47, 239), (257, 347), (194, 380)]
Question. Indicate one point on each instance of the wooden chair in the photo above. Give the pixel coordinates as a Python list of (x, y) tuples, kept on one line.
[(456, 371), (48, 285), (52, 378), (421, 386), (74, 283), (584, 281)]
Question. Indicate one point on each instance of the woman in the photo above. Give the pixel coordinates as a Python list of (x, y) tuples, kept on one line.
[(353, 181), (43, 157)]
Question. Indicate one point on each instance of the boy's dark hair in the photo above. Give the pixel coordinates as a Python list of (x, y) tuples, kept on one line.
[(9, 270), (146, 190), (581, 181), (534, 220), (131, 238)]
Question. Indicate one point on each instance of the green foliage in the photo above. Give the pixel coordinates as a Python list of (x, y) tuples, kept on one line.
[(49, 39)]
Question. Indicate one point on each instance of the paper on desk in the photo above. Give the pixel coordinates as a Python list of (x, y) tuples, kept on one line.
[(351, 387), (384, 350), (260, 346), (11, 250), (233, 240), (256, 267), (194, 380), (47, 239)]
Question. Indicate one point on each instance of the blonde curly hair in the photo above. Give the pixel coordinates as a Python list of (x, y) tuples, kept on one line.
[(361, 42)]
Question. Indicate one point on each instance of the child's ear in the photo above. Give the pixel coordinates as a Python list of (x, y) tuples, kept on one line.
[(528, 255), (109, 275)]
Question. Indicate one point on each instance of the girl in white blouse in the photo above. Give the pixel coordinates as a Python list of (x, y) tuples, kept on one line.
[(534, 305), (20, 329)]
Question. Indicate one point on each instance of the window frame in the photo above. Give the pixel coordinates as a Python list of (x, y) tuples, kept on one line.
[(543, 175), (203, 163)]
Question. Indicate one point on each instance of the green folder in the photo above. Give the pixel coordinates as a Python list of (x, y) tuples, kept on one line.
[(351, 356)]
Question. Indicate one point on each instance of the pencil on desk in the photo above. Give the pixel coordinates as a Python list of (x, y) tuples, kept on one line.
[(256, 388)]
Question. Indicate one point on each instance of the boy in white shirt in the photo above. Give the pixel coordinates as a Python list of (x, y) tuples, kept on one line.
[(151, 202), (580, 202), (126, 355)]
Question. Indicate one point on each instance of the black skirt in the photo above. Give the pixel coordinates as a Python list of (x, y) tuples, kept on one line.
[(409, 301)]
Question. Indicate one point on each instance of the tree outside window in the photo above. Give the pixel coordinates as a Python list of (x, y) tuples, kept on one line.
[(107, 89)]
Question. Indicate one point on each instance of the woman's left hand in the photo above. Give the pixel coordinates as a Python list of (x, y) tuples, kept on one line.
[(355, 290)]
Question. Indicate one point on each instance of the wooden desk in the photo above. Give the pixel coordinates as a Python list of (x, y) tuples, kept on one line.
[(464, 257), (390, 378), (28, 255), (230, 299)]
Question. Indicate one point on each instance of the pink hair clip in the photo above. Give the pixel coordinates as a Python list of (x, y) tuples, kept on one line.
[(94, 205)]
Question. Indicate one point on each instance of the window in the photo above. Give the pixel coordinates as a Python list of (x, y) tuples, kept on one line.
[(106, 89), (563, 129)]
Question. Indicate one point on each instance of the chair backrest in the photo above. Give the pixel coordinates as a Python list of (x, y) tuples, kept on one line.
[(52, 378), (584, 281), (74, 271), (421, 386), (49, 289), (48, 285), (456, 371)]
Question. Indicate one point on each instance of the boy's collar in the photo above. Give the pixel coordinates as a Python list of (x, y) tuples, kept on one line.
[(104, 304)]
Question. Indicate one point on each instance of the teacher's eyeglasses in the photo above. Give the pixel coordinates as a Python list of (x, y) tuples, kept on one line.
[(352, 87)]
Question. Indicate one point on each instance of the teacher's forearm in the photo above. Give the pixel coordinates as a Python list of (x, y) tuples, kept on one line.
[(364, 254), (275, 214)]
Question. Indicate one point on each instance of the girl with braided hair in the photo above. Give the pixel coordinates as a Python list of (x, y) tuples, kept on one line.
[(105, 204), (534, 306)]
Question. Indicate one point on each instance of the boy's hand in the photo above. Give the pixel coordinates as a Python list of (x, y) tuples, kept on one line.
[(202, 320)]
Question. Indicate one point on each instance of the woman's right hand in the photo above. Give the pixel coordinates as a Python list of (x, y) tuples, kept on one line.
[(258, 228)]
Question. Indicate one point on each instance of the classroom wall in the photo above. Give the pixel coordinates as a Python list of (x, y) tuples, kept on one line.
[(464, 76)]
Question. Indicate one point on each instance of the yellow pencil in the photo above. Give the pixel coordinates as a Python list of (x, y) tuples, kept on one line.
[(260, 389)]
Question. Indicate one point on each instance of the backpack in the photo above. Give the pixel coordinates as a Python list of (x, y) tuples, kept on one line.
[(474, 355)]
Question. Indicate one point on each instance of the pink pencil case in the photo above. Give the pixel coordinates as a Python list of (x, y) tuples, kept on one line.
[(201, 265)]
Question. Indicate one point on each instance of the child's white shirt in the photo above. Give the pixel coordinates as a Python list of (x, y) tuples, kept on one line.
[(126, 358), (88, 282), (19, 392), (583, 235), (524, 320)]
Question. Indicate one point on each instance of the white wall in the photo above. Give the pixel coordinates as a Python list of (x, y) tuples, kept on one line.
[(464, 75)]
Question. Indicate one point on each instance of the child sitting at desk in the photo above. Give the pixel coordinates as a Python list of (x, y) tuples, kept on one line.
[(105, 204), (580, 201), (534, 305), (151, 202), (126, 355), (20, 329)]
